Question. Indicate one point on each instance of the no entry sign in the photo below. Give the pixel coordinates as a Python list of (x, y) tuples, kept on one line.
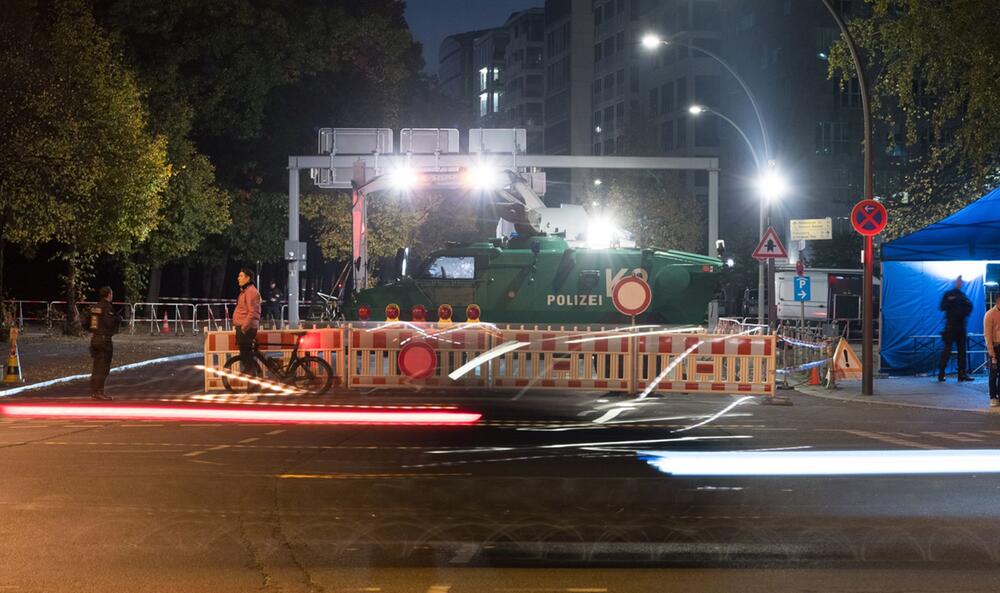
[(869, 217), (631, 295)]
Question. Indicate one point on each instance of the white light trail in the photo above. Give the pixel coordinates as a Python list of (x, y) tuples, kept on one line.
[(248, 379), (721, 412), (680, 330), (825, 463), (485, 357)]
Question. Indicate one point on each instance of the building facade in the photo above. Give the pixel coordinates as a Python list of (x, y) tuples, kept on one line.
[(523, 102)]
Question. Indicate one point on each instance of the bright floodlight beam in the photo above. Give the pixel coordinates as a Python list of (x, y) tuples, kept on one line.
[(652, 41), (772, 185), (484, 177), (697, 109), (403, 178)]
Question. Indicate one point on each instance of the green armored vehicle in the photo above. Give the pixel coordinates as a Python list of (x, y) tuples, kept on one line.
[(542, 279)]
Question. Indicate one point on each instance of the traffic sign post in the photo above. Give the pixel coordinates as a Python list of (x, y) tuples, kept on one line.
[(770, 248), (631, 296), (803, 293), (868, 218)]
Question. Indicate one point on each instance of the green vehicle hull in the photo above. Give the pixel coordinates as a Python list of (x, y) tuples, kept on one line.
[(543, 280)]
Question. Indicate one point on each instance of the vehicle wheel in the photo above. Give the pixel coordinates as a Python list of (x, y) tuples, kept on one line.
[(310, 374)]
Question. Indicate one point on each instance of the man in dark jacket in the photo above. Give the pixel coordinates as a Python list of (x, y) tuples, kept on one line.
[(957, 307), (103, 324)]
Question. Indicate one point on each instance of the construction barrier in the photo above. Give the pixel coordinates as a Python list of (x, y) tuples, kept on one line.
[(405, 354), (706, 363), (375, 351), (327, 344), (563, 360)]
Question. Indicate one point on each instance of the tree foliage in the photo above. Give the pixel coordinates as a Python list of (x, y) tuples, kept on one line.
[(655, 207), (102, 171), (934, 68)]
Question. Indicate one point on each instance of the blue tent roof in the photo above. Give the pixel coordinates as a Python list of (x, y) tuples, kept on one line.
[(972, 233)]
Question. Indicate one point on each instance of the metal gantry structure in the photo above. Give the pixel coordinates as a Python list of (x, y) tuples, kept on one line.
[(364, 160)]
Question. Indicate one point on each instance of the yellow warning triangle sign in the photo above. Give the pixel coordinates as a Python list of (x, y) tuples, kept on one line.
[(846, 364)]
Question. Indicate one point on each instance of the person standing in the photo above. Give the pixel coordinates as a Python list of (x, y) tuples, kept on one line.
[(991, 335), (957, 307), (274, 302), (103, 325), (246, 318)]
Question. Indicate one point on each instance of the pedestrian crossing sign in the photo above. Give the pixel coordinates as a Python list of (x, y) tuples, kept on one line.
[(770, 246)]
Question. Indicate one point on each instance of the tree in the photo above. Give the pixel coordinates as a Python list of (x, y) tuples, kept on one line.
[(934, 68), (654, 206), (842, 251), (102, 190)]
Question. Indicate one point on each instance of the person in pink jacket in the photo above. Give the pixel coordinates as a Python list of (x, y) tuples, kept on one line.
[(246, 318), (991, 335)]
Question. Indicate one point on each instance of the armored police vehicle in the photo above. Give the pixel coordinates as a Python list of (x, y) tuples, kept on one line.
[(543, 279)]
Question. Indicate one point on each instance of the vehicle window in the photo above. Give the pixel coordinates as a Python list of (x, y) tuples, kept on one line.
[(454, 267)]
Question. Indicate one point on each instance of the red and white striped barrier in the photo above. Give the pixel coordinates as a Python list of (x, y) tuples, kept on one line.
[(374, 354), (563, 360), (706, 363), (327, 343)]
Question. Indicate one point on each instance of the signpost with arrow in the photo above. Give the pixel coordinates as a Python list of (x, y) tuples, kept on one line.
[(770, 248)]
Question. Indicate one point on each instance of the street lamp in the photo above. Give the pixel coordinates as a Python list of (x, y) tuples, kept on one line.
[(653, 41)]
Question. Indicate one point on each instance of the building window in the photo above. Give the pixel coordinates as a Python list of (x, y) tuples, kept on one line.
[(620, 144), (597, 149), (496, 102), (849, 95), (620, 41), (706, 16), (533, 57), (633, 81), (483, 78), (682, 95), (609, 86), (598, 16), (667, 135), (667, 99), (609, 119), (681, 134), (706, 131), (484, 104), (609, 146), (654, 100), (597, 89), (620, 81), (597, 52), (620, 113), (706, 90), (831, 137)]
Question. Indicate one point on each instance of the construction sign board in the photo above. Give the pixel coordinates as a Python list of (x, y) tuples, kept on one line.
[(846, 364)]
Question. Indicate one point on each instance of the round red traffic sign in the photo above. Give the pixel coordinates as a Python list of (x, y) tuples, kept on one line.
[(417, 360), (631, 295), (869, 217)]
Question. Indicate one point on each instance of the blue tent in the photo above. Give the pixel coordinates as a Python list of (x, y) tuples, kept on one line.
[(918, 268)]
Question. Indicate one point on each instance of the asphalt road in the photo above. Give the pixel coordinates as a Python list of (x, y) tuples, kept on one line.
[(549, 492)]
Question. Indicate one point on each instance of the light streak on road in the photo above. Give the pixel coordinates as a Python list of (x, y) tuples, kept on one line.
[(206, 414), (485, 357), (612, 414), (718, 414), (825, 463), (271, 385), (590, 445)]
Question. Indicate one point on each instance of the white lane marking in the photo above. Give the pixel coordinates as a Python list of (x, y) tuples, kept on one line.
[(721, 412), (612, 414), (952, 437), (250, 440), (274, 432), (439, 589)]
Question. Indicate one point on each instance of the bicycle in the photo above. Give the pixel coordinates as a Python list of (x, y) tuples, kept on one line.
[(331, 308), (310, 374)]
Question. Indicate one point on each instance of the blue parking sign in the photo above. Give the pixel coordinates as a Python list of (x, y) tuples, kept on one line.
[(803, 288)]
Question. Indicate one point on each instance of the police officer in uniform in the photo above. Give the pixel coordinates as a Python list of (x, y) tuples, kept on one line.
[(957, 307), (103, 324)]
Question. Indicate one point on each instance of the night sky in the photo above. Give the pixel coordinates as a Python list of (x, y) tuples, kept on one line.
[(433, 20)]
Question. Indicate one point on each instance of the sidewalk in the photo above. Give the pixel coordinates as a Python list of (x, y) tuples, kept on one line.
[(914, 392)]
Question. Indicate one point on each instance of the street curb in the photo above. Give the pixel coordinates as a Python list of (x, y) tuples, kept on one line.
[(118, 369), (857, 399)]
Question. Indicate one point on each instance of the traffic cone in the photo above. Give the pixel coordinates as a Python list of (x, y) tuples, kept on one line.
[(165, 328), (12, 370), (814, 376)]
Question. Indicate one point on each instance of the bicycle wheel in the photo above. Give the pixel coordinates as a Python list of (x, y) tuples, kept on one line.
[(311, 374), (236, 385)]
